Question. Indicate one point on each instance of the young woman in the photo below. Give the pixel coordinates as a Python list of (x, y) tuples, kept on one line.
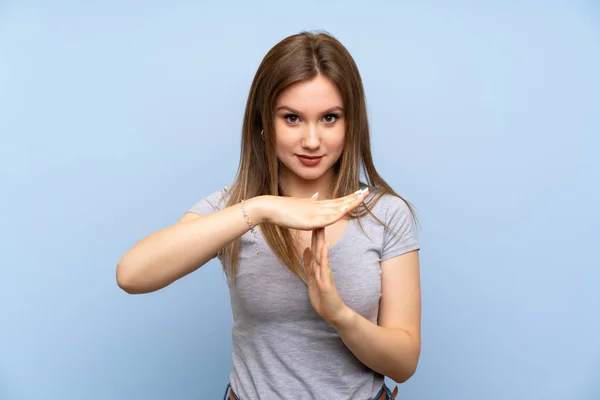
[(322, 267)]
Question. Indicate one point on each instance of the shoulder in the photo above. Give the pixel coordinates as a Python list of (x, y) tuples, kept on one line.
[(386, 206), (215, 201), (220, 196), (391, 212), (396, 224)]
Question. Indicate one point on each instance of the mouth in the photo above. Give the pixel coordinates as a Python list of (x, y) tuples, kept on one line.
[(309, 160)]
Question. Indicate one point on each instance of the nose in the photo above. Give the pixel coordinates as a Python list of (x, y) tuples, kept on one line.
[(311, 137)]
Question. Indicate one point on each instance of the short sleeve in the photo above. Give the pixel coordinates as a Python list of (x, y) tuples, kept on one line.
[(213, 202), (401, 237)]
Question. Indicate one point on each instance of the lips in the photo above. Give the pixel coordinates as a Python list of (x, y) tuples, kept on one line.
[(309, 160)]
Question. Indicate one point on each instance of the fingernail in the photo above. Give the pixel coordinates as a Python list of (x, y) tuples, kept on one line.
[(314, 195), (358, 191), (365, 190)]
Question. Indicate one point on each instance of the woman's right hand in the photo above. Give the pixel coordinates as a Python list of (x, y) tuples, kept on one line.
[(307, 214)]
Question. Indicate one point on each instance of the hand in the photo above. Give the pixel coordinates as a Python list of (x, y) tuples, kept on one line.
[(323, 294), (308, 214)]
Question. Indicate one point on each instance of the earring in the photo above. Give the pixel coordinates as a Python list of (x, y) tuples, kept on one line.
[(262, 135)]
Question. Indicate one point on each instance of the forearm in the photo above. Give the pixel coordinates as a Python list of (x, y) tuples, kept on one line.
[(391, 352), (173, 252)]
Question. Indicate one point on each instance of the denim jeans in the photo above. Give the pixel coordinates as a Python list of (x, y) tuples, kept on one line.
[(384, 389)]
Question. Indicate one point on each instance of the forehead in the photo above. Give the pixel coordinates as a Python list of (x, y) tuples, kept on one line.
[(316, 95)]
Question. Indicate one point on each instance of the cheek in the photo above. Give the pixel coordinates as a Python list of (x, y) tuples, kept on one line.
[(284, 144), (337, 139), (282, 139), (283, 133)]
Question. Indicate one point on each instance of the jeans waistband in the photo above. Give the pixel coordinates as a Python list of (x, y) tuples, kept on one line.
[(379, 396)]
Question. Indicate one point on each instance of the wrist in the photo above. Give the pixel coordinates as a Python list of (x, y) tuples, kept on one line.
[(256, 209), (344, 319)]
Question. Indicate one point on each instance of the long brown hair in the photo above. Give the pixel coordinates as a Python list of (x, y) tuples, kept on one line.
[(301, 57)]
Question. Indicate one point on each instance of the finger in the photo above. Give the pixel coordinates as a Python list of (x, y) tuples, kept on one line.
[(331, 216), (346, 208), (320, 243), (334, 210), (321, 240), (325, 257), (358, 195), (321, 247), (358, 198), (313, 242), (324, 272), (308, 262), (350, 202), (350, 198), (307, 256)]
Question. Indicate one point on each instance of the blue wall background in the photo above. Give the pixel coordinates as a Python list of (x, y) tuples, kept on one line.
[(116, 117)]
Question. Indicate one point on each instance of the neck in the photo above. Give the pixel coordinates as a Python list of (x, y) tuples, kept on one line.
[(294, 186)]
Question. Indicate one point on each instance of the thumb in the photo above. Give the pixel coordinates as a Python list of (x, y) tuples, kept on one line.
[(307, 257), (310, 274)]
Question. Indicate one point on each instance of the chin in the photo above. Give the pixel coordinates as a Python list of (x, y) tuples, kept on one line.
[(307, 173)]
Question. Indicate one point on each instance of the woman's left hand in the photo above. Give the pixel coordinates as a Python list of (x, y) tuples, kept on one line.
[(322, 291)]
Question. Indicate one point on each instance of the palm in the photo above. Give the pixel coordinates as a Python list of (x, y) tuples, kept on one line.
[(322, 292), (305, 214)]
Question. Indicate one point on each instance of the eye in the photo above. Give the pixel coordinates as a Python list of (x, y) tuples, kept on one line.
[(330, 118), (291, 118)]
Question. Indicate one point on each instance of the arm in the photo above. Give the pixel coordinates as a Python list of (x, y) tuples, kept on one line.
[(393, 347), (173, 252)]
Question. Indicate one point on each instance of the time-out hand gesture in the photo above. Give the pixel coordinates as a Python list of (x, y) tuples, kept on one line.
[(307, 214), (323, 293)]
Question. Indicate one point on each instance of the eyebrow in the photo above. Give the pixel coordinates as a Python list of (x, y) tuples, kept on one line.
[(328, 111)]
